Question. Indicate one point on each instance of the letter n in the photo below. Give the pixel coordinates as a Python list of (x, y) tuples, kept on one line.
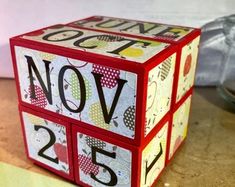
[(32, 68)]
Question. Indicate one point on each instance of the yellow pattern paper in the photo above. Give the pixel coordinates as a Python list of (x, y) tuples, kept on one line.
[(153, 157), (180, 126), (187, 67), (160, 81)]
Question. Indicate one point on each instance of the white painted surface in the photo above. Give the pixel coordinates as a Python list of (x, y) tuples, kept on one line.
[(17, 17)]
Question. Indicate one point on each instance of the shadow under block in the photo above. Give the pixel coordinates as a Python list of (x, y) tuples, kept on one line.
[(105, 101)]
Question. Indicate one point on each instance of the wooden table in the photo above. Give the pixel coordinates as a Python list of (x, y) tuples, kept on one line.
[(207, 159)]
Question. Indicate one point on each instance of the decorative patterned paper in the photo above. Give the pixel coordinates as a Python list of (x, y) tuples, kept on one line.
[(153, 157), (160, 83), (98, 43), (187, 67), (179, 126), (123, 119), (152, 30), (50, 139), (120, 165)]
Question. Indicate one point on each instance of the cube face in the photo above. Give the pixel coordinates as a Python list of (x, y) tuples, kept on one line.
[(92, 113), (101, 163), (186, 38), (101, 95), (188, 62), (139, 28), (124, 100), (153, 157), (48, 143), (159, 92), (132, 49), (179, 126)]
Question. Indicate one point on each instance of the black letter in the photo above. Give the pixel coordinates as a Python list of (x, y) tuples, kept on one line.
[(121, 82), (47, 37), (175, 34), (147, 169), (113, 176), (132, 42), (77, 43), (141, 27), (31, 65), (112, 26), (82, 89)]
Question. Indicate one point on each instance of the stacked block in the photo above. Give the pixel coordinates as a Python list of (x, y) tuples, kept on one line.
[(104, 105)]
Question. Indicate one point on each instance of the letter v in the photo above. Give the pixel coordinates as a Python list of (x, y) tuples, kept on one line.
[(121, 82)]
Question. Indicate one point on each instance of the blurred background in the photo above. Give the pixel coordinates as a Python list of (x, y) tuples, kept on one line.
[(17, 17)]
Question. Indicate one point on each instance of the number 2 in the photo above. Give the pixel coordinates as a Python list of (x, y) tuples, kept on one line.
[(113, 176), (48, 145)]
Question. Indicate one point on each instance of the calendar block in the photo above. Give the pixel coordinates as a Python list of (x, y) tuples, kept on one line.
[(48, 142), (186, 38), (105, 101), (179, 125), (103, 161), (116, 85)]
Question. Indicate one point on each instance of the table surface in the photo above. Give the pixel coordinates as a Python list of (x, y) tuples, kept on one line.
[(207, 158)]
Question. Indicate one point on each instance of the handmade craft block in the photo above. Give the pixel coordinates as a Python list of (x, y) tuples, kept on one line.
[(102, 161), (48, 142), (115, 85), (186, 38), (105, 101), (178, 125)]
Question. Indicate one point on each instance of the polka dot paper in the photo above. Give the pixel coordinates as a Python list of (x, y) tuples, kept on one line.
[(123, 119)]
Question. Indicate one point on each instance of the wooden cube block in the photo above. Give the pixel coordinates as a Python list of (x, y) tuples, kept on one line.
[(115, 85), (186, 38), (179, 125), (48, 142), (105, 101), (103, 161)]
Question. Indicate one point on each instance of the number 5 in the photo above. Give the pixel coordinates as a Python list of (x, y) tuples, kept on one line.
[(113, 176)]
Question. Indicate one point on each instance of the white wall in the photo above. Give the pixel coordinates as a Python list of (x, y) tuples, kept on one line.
[(19, 16)]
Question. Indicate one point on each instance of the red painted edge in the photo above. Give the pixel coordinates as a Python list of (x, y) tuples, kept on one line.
[(69, 176), (156, 129), (130, 20), (89, 56), (134, 150), (141, 72), (129, 34), (188, 94), (70, 120), (141, 100), (178, 63), (78, 55), (166, 148), (176, 151)]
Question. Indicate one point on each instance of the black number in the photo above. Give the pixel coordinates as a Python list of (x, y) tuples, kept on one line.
[(108, 115), (113, 176), (148, 168), (47, 146)]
